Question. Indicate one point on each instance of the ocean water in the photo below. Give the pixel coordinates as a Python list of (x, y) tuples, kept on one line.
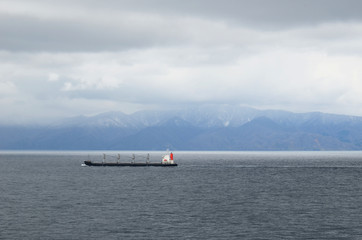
[(210, 195)]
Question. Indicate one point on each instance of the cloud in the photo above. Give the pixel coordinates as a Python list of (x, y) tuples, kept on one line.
[(121, 25), (63, 58), (7, 89)]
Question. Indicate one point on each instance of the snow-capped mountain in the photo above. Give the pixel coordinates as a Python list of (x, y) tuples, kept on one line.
[(195, 128)]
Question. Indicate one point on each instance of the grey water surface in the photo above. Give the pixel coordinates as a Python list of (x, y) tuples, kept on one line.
[(210, 195)]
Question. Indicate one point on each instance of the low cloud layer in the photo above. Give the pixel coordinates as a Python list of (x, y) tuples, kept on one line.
[(60, 59)]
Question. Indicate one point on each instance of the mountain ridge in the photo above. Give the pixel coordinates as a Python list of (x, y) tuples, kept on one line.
[(196, 128)]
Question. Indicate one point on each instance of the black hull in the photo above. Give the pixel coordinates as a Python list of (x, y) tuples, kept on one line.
[(90, 163)]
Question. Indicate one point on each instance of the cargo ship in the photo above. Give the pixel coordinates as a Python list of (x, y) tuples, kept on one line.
[(166, 161)]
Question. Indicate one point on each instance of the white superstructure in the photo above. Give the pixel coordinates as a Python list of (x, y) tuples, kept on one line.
[(168, 159)]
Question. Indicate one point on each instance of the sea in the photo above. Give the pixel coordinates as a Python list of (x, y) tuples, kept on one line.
[(209, 195)]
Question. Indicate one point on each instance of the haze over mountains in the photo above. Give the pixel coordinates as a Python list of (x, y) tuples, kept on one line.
[(199, 128)]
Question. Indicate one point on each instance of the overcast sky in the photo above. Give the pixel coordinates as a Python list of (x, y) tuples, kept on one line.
[(66, 58)]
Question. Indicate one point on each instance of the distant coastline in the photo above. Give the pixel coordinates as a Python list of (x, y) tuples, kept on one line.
[(196, 129)]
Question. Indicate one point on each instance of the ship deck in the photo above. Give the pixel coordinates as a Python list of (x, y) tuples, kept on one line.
[(127, 164)]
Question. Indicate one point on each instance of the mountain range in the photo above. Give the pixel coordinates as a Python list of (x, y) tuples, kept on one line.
[(196, 128)]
